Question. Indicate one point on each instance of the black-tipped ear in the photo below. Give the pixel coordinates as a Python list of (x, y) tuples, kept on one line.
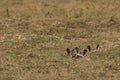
[(98, 45), (89, 48), (68, 51), (84, 51)]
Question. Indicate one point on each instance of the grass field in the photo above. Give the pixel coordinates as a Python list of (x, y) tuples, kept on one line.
[(34, 35)]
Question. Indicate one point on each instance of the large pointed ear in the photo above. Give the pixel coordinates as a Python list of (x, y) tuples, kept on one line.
[(89, 47), (97, 47), (68, 51)]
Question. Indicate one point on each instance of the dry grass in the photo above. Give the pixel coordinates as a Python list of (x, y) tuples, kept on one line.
[(34, 35)]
